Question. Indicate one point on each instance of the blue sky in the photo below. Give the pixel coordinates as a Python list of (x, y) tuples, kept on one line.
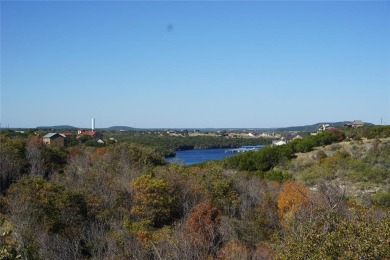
[(194, 64)]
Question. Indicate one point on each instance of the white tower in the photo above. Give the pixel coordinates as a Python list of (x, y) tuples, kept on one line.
[(93, 124)]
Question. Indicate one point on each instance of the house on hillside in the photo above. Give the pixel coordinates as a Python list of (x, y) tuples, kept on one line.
[(302, 135), (288, 137), (91, 133), (278, 142), (355, 124), (323, 127), (66, 134), (54, 139)]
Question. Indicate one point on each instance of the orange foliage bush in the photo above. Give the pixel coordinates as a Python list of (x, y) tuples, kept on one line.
[(74, 152), (263, 251), (99, 152), (292, 197), (152, 200), (202, 223)]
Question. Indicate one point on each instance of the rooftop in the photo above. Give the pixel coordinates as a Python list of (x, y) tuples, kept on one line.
[(49, 135)]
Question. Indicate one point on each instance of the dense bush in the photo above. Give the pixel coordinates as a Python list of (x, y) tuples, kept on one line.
[(370, 132), (138, 155), (270, 156), (381, 198), (153, 202), (333, 237), (274, 175)]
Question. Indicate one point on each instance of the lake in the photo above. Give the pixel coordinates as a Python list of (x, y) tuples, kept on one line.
[(189, 157)]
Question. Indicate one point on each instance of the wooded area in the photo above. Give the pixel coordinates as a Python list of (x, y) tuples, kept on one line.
[(123, 201)]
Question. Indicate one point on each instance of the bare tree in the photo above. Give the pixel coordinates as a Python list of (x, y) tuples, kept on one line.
[(35, 159), (57, 247)]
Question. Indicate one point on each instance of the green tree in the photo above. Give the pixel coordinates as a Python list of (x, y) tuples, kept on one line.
[(12, 161), (39, 208), (50, 205), (138, 155), (152, 200)]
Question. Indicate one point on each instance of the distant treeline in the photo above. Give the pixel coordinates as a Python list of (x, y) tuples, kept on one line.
[(168, 145)]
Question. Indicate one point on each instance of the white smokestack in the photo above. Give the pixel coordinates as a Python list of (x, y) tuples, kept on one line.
[(93, 123)]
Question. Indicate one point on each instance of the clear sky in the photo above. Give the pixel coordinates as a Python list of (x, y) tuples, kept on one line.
[(194, 64)]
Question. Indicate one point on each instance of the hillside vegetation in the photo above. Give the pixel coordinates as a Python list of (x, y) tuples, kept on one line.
[(361, 167), (122, 201)]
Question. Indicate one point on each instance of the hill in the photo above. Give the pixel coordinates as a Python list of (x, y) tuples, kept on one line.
[(57, 127), (127, 128), (313, 127), (61, 127), (309, 128)]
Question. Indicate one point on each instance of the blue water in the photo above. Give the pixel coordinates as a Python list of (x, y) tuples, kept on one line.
[(189, 157)]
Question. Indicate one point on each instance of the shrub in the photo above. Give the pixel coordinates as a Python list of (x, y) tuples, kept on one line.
[(320, 155), (153, 200), (276, 175), (330, 237), (335, 147), (292, 197), (381, 198)]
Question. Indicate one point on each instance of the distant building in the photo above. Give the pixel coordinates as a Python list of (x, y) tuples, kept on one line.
[(66, 134), (301, 135), (355, 124), (54, 139), (323, 127), (278, 142), (289, 137), (268, 135), (90, 133)]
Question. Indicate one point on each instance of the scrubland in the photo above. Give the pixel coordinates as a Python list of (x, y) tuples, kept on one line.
[(319, 198)]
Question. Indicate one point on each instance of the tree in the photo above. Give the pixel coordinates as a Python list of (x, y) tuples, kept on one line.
[(201, 228), (39, 208), (137, 155), (12, 162), (10, 168), (292, 197), (152, 200), (35, 159)]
